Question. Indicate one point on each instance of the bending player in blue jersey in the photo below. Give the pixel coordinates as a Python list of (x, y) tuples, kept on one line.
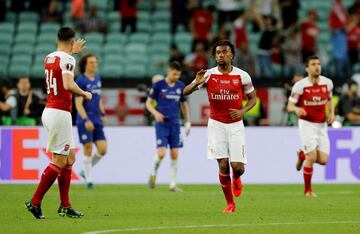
[(168, 95), (91, 118)]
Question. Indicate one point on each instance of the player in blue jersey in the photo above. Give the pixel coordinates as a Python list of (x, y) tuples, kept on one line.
[(91, 118), (169, 98)]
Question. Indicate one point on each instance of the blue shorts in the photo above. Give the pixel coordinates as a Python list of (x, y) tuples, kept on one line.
[(168, 134), (86, 136)]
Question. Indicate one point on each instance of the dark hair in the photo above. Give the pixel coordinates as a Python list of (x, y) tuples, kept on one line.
[(5, 83), (83, 62), (312, 57), (65, 34), (223, 43), (351, 83), (175, 65), (22, 78)]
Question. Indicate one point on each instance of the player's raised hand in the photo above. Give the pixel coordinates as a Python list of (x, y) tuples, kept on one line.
[(200, 77), (159, 117), (300, 112), (87, 96), (236, 113), (78, 46)]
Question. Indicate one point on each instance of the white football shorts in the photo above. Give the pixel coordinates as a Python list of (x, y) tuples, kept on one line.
[(226, 141), (314, 136), (58, 124)]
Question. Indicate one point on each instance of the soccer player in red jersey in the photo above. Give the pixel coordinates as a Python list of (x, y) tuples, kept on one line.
[(308, 100), (59, 74), (226, 87)]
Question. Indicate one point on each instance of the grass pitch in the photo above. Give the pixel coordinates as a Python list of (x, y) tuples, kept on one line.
[(138, 209)]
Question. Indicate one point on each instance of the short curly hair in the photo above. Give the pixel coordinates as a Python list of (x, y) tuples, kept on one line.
[(83, 61), (225, 43)]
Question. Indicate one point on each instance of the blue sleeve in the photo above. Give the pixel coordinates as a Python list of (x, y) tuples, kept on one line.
[(154, 92)]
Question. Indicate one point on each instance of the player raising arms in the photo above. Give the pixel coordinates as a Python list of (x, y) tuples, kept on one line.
[(170, 99), (59, 74), (226, 85), (91, 118), (308, 100)]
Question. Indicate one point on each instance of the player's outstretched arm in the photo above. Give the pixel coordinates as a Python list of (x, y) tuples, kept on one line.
[(199, 80), (69, 84)]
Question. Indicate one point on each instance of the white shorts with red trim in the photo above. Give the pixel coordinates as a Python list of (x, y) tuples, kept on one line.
[(58, 124), (226, 141), (314, 136)]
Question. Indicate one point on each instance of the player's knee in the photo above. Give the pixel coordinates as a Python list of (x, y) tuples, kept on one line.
[(102, 152)]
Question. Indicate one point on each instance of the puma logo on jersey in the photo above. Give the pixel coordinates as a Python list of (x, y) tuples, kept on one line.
[(216, 80), (308, 91)]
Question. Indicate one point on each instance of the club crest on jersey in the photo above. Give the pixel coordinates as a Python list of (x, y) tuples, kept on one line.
[(66, 148), (323, 89), (235, 81), (69, 67), (178, 91)]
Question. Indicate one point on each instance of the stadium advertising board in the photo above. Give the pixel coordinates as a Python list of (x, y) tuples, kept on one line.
[(271, 156)]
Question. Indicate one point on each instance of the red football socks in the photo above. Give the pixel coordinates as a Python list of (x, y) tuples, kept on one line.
[(308, 171), (302, 155), (47, 179), (225, 182), (64, 180)]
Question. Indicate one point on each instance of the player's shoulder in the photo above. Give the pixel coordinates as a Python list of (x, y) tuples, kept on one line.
[(213, 70), (238, 71), (61, 55), (325, 80)]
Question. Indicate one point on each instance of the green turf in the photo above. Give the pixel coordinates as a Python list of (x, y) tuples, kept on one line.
[(137, 209)]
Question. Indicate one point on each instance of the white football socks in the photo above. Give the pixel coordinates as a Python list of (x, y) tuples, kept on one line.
[(156, 165), (173, 172), (87, 167), (96, 158)]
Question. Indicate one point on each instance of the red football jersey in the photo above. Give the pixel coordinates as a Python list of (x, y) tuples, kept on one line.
[(312, 97), (226, 91), (56, 64)]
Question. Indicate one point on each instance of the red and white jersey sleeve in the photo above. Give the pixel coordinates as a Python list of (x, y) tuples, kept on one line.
[(56, 64), (312, 97), (226, 91)]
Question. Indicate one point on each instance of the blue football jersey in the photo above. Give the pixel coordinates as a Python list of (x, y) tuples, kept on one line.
[(92, 107), (168, 98)]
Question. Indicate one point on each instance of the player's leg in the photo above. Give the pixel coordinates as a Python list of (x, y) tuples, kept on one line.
[(218, 149), (52, 122), (238, 158), (308, 135), (86, 139), (87, 163), (310, 159), (64, 181), (100, 143), (48, 177), (174, 153), (324, 147), (322, 158), (225, 182), (175, 142), (162, 135)]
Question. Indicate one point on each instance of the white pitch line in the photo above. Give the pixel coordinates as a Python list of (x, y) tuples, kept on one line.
[(214, 226)]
